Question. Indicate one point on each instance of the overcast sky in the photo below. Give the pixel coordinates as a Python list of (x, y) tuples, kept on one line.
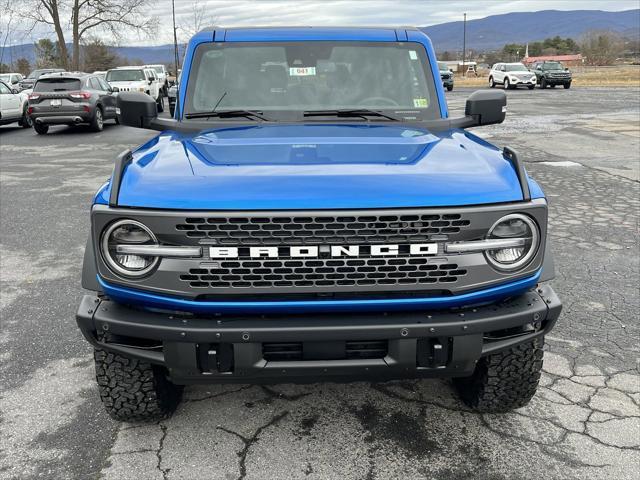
[(329, 12)]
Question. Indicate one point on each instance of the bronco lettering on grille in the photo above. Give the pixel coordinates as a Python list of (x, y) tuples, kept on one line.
[(315, 251)]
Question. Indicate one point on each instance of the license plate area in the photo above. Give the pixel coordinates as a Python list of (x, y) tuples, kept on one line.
[(56, 103)]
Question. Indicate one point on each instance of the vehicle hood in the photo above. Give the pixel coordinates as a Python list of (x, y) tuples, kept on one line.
[(137, 83), (316, 166)]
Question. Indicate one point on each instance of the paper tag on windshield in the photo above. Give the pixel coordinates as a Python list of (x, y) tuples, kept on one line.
[(420, 102), (413, 55), (302, 71)]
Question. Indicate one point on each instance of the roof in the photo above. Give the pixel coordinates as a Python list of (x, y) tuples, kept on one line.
[(64, 74), (554, 58), (304, 33)]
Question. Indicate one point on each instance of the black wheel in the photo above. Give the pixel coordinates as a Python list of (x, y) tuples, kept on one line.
[(449, 88), (552, 85), (567, 86), (492, 84), (40, 128), (504, 380), (25, 121), (97, 123), (116, 120), (133, 390), (172, 110), (530, 87), (543, 83), (160, 103), (507, 85)]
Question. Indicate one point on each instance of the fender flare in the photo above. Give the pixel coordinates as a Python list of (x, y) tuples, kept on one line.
[(90, 269), (548, 264)]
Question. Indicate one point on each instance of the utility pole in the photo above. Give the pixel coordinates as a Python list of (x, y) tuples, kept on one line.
[(464, 43), (175, 38)]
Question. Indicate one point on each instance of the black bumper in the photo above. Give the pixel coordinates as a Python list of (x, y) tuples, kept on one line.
[(62, 118), (241, 348)]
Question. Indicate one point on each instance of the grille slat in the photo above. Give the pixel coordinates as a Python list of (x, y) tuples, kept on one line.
[(321, 230), (246, 274)]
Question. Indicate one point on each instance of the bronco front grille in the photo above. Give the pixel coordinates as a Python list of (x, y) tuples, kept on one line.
[(365, 229), (366, 272)]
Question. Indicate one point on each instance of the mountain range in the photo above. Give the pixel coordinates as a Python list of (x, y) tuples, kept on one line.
[(483, 34)]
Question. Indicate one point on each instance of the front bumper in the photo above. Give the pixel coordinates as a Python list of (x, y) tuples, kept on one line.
[(231, 349)]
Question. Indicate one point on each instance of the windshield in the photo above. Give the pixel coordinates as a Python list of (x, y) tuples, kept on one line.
[(157, 69), (36, 74), (57, 85), (125, 76), (5, 78), (302, 76), (516, 68), (552, 66), (443, 67)]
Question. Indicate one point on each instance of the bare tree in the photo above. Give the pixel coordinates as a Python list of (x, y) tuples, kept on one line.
[(200, 18), (86, 17), (601, 47)]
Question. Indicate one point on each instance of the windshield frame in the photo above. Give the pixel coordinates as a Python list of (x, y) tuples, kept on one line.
[(434, 111)]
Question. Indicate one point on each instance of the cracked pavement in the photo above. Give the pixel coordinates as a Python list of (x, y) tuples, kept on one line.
[(581, 145)]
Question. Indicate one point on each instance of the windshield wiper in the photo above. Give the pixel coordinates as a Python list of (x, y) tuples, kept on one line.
[(354, 112), (228, 114)]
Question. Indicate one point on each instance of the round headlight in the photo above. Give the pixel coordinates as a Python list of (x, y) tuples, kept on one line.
[(127, 232), (511, 227)]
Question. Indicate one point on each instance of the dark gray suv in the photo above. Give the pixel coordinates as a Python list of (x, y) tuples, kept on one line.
[(71, 99)]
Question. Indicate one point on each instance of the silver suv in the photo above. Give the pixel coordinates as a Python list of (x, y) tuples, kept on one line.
[(511, 75)]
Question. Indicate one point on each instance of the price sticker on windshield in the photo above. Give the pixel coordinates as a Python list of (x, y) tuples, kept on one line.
[(302, 71)]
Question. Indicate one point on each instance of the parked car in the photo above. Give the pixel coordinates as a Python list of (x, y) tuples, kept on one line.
[(511, 75), (446, 75), (71, 99), (136, 79), (163, 77), (13, 106), (552, 74), (315, 214), (12, 80), (29, 82)]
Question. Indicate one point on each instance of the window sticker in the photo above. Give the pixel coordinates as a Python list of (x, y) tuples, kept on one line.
[(413, 55), (420, 102), (302, 71)]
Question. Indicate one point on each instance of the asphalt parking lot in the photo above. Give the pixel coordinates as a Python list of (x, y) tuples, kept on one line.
[(582, 145)]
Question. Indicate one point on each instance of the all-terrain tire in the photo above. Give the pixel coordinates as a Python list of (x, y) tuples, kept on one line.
[(543, 83), (449, 88), (504, 380), (160, 103), (567, 85), (133, 390)]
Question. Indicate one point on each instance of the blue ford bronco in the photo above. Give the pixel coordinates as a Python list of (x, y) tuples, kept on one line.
[(312, 213)]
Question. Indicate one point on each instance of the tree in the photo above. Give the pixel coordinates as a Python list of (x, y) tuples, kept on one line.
[(48, 54), (98, 56), (601, 47), (4, 68), (23, 66), (87, 17), (446, 56)]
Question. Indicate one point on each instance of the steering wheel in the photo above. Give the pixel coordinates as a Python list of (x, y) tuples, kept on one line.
[(374, 100)]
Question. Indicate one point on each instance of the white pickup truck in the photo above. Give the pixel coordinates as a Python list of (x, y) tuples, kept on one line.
[(137, 79)]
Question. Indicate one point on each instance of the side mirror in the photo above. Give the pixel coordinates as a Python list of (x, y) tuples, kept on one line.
[(486, 107), (15, 90), (566, 69), (115, 89), (150, 81), (136, 109)]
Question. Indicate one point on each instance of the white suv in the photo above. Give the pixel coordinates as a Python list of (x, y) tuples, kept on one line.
[(162, 75), (511, 75), (136, 79)]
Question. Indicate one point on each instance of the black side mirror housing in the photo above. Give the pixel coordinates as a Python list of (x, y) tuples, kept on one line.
[(486, 107), (15, 90), (136, 109), (115, 89)]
